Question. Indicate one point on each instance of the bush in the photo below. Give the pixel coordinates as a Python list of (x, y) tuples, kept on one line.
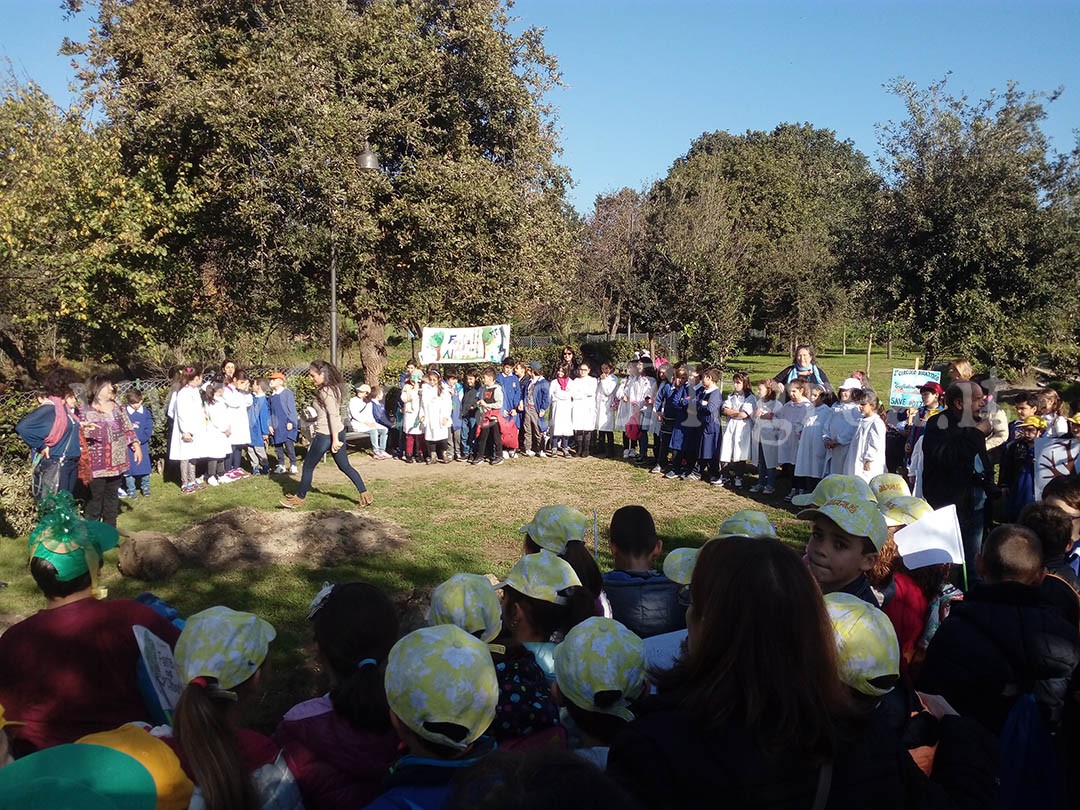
[(18, 512), (1064, 361), (12, 409)]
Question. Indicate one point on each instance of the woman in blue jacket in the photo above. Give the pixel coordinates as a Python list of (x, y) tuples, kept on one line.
[(51, 431)]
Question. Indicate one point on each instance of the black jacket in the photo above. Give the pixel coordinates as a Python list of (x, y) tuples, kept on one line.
[(668, 760), (1000, 641), (949, 453), (646, 602)]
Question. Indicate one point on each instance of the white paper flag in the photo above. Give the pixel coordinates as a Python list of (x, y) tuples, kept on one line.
[(932, 540)]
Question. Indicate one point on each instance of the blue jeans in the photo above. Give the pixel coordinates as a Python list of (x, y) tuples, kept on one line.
[(142, 480), (468, 435), (378, 439), (320, 446)]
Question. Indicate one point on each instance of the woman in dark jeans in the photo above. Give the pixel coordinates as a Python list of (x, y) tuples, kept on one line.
[(328, 435), (108, 433)]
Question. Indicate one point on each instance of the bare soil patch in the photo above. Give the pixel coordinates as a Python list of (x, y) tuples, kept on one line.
[(256, 538)]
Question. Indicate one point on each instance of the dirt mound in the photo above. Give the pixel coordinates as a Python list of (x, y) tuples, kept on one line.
[(255, 538)]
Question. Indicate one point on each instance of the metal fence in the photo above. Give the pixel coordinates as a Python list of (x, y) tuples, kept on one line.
[(666, 343)]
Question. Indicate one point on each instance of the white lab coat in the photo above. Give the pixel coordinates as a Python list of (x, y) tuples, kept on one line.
[(738, 432), (583, 396), (239, 403), (605, 402), (562, 407), (868, 444), (189, 416), (435, 409), (812, 455)]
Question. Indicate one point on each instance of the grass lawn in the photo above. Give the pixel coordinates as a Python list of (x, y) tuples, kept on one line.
[(836, 365), (458, 518)]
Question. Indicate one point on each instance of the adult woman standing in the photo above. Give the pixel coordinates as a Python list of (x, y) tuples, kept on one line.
[(108, 433), (328, 435), (804, 367)]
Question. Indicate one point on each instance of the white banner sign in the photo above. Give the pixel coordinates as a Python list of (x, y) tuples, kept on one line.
[(466, 344)]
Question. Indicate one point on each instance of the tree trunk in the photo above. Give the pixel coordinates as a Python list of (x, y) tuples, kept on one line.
[(10, 347), (843, 343), (372, 342), (888, 341)]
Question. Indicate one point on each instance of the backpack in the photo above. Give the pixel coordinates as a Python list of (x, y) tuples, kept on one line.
[(1030, 773)]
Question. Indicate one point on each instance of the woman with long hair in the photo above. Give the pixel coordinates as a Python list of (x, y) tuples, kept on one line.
[(754, 714), (329, 434), (108, 433)]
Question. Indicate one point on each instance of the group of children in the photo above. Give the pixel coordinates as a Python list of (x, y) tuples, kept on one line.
[(736, 669), (213, 425)]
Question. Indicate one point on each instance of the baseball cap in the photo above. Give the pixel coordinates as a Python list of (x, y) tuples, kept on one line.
[(1033, 421), (72, 545), (555, 526), (600, 667), (542, 576), (903, 510), (535, 365), (932, 387), (851, 382), (857, 517), (77, 776), (888, 485), (866, 645), (276, 375), (747, 523), (221, 643), (363, 388), (679, 565), (442, 675), (468, 601), (836, 486), (173, 787)]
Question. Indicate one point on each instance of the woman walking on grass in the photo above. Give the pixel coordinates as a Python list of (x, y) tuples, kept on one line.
[(329, 435)]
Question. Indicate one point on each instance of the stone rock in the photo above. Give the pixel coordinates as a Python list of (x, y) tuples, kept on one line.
[(149, 556)]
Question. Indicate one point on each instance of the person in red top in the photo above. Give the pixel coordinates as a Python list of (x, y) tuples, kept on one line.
[(71, 668)]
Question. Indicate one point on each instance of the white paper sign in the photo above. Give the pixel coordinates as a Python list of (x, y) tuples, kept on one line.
[(1054, 458), (932, 540), (661, 652), (158, 657)]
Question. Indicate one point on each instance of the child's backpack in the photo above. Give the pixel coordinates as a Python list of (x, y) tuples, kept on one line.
[(1030, 773), (509, 432)]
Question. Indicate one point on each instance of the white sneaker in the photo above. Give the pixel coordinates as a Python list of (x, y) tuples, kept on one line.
[(626, 453), (633, 454), (769, 491), (212, 481), (506, 454), (541, 454), (293, 469), (279, 470), (530, 453)]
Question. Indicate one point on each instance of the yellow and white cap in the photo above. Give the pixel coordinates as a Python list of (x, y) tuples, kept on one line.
[(836, 486), (222, 643), (747, 523), (855, 516), (903, 510), (889, 485), (468, 601), (600, 667), (679, 565), (544, 576), (555, 526), (442, 675), (866, 645), (1033, 421)]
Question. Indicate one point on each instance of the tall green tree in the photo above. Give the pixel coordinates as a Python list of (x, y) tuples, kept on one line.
[(613, 254), (972, 240), (265, 107)]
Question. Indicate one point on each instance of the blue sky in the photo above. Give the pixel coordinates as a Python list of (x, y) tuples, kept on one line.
[(645, 77)]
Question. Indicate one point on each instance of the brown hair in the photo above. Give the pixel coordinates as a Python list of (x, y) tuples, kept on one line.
[(548, 618), (927, 579), (770, 392), (963, 368), (800, 385), (763, 657), (1049, 402), (134, 396), (212, 749), (741, 377), (1065, 488)]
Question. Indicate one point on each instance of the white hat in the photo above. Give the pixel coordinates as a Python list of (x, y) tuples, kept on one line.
[(850, 383)]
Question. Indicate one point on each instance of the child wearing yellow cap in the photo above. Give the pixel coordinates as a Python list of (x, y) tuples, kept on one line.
[(845, 537), (1017, 477)]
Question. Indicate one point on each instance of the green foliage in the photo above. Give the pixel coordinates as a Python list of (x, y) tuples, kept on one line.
[(967, 239), (12, 409), (1064, 361), (304, 389), (18, 510)]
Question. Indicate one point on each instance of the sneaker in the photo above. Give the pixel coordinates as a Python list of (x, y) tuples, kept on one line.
[(293, 469), (626, 453), (670, 475), (199, 485), (212, 481), (530, 453), (513, 454), (291, 502), (444, 461), (279, 470), (656, 469), (475, 460), (187, 489), (632, 453), (541, 454), (123, 494), (791, 495), (756, 488), (459, 458), (410, 460), (496, 461), (256, 471), (694, 475), (738, 483), (506, 454), (768, 491), (717, 482)]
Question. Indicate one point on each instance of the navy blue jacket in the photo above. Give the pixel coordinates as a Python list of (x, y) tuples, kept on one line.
[(283, 411)]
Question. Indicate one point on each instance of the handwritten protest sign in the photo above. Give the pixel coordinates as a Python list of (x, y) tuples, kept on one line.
[(904, 391), (466, 344), (161, 667)]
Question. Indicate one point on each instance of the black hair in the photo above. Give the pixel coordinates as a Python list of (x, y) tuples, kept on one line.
[(584, 564), (44, 574), (1065, 488), (633, 530), (57, 380), (1051, 524), (548, 618), (1012, 553), (1031, 399), (358, 622), (604, 727), (94, 385)]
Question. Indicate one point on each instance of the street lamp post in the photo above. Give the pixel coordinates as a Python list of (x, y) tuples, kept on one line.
[(368, 161)]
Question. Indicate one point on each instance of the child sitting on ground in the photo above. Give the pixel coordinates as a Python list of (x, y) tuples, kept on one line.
[(526, 712), (642, 598), (845, 538), (561, 530), (341, 745), (599, 672), (443, 692)]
